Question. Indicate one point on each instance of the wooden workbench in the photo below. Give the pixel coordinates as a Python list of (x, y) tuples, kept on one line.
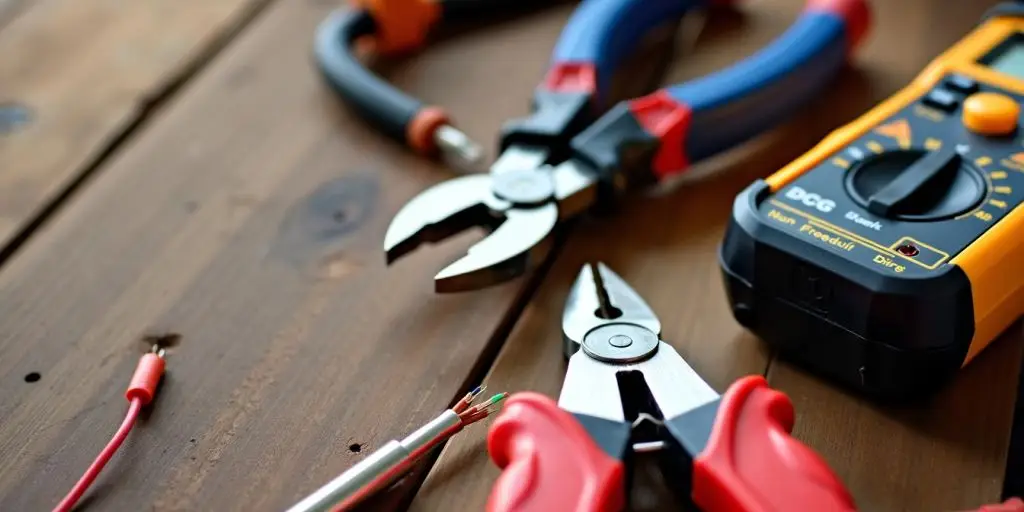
[(175, 170)]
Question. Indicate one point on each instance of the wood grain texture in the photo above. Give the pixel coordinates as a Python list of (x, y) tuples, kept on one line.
[(9, 9), (947, 454), (248, 215), (86, 71), (248, 218), (929, 458)]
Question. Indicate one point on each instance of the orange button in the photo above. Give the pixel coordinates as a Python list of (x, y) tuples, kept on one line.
[(990, 113)]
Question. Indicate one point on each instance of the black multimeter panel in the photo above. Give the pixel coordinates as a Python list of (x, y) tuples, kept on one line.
[(849, 274), (828, 205)]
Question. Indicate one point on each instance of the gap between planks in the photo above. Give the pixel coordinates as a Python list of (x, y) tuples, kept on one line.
[(149, 102)]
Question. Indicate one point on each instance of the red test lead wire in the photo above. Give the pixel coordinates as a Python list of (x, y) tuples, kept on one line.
[(140, 393)]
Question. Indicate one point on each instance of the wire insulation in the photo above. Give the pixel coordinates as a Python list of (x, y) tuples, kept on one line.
[(101, 460), (141, 391), (467, 416)]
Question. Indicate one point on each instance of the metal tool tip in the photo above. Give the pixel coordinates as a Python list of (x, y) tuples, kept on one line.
[(586, 283), (599, 295), (518, 244), (438, 212), (468, 274), (458, 150), (608, 283)]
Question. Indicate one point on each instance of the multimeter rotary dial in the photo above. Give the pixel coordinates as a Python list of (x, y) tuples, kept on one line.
[(916, 184)]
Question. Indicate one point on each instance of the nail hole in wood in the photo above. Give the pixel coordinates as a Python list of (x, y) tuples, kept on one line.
[(355, 447), (33, 377), (161, 340)]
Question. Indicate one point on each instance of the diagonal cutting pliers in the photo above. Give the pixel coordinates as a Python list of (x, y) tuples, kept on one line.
[(626, 391), (563, 160)]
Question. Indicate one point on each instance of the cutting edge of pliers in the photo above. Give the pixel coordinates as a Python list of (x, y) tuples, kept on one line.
[(723, 453), (636, 143), (609, 330)]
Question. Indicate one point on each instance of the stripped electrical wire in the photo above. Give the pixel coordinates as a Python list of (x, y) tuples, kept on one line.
[(482, 410), (396, 458), (141, 390), (467, 400)]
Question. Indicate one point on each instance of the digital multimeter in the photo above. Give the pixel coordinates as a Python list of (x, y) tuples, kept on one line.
[(892, 253)]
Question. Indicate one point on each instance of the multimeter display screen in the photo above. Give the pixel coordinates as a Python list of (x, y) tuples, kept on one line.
[(1010, 60), (1007, 57)]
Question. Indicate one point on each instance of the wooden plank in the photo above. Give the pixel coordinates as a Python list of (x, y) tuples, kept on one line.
[(947, 454), (9, 9), (80, 73), (673, 264), (248, 218)]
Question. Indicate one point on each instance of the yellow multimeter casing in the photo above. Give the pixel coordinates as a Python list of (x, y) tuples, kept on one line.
[(892, 253)]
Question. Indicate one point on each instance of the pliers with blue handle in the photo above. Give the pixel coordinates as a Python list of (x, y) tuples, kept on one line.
[(556, 163)]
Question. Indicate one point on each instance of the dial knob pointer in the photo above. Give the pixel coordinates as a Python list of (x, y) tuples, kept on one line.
[(927, 169)]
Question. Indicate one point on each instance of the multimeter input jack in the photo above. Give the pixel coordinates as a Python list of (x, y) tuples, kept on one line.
[(908, 250)]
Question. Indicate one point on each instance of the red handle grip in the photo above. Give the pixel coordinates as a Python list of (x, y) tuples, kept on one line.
[(549, 461), (1010, 505), (751, 464)]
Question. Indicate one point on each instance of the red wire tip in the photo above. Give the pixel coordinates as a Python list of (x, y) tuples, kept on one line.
[(147, 377), (140, 392)]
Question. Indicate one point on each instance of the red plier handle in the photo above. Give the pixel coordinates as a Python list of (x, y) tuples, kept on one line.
[(549, 461), (750, 463)]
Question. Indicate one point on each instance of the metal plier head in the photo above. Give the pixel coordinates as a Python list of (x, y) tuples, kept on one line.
[(553, 160), (519, 202), (624, 373), (731, 452)]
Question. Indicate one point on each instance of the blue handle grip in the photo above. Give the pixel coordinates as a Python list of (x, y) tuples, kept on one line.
[(602, 32), (737, 103)]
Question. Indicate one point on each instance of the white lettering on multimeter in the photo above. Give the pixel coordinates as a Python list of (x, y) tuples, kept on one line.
[(857, 219), (810, 199)]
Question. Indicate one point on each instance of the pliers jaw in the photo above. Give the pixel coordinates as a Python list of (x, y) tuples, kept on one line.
[(625, 374), (517, 238), (662, 386), (600, 297), (728, 452), (520, 207)]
